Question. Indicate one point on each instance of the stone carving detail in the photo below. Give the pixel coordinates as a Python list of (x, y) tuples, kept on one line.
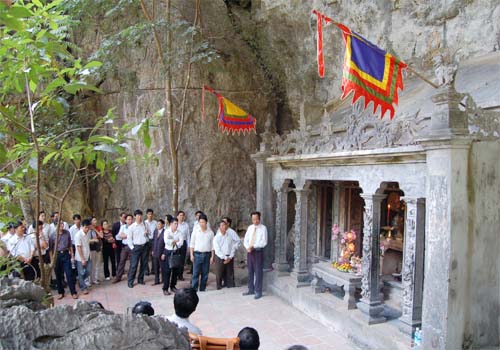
[(279, 230), (361, 131), (367, 248), (409, 264), (482, 123), (297, 255)]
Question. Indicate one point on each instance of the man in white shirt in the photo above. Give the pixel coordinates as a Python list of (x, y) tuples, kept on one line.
[(151, 226), (77, 221), (137, 238), (173, 241), (23, 250), (185, 302), (82, 255), (224, 249), (184, 230), (202, 253), (255, 241), (6, 237), (125, 253)]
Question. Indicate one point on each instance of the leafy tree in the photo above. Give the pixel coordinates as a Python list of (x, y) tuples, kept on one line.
[(43, 86)]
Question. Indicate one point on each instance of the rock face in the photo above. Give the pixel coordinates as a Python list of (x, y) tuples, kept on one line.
[(80, 327)]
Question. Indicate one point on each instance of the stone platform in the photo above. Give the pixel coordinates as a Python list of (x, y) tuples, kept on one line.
[(333, 314)]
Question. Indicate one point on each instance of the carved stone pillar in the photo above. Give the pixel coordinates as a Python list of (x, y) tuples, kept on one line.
[(336, 219), (281, 229), (447, 248), (300, 271), (370, 303), (413, 265)]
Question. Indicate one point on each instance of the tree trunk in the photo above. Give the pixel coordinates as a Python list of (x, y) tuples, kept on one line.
[(170, 118)]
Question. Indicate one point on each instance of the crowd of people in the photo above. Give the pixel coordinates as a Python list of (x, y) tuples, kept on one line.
[(88, 253)]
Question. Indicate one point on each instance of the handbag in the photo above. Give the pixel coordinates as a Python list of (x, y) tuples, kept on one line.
[(175, 259)]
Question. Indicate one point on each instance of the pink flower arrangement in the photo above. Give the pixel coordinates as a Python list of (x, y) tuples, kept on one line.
[(346, 242)]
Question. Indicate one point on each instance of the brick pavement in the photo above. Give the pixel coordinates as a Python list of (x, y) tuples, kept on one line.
[(223, 313)]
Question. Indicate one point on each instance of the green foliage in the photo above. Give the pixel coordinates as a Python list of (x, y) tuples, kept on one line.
[(8, 265), (41, 81)]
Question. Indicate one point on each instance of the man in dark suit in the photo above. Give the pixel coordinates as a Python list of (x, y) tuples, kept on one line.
[(115, 229), (157, 250)]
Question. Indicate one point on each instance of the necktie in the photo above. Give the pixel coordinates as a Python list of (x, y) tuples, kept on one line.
[(252, 240)]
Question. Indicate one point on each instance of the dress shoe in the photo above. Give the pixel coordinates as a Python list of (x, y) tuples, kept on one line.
[(257, 296), (166, 292), (248, 293), (75, 296), (155, 284), (173, 289), (130, 285), (141, 282), (116, 280), (147, 273), (60, 296)]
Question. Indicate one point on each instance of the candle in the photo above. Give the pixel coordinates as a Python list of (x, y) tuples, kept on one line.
[(388, 215)]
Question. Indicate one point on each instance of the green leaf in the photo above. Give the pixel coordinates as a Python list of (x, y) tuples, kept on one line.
[(33, 86), (19, 12), (37, 3), (93, 64), (58, 107), (54, 84), (12, 23), (100, 164), (48, 157), (146, 137)]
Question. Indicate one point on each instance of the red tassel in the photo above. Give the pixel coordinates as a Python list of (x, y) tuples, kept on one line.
[(319, 44)]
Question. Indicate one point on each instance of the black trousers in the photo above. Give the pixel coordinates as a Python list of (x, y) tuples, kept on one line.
[(138, 256), (148, 246), (224, 273), (63, 267), (182, 251), (118, 252), (169, 274), (255, 265), (108, 254)]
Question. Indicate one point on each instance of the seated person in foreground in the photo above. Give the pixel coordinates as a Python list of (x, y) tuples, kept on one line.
[(185, 303), (249, 339)]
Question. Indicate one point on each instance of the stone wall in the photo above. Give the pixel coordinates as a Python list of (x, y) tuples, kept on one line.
[(483, 327)]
